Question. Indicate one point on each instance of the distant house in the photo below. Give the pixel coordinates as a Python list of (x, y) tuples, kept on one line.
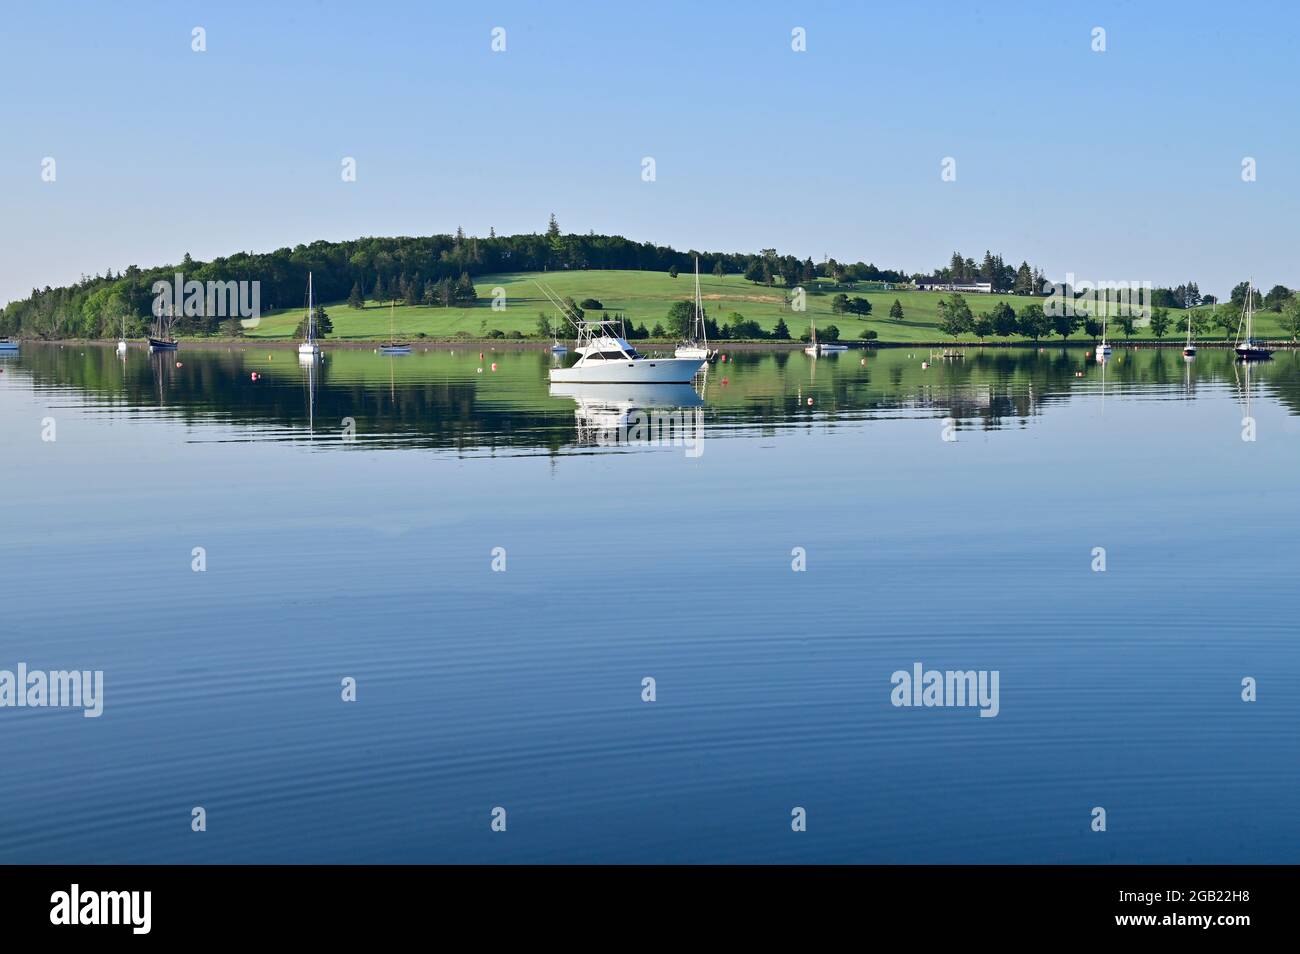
[(940, 284)]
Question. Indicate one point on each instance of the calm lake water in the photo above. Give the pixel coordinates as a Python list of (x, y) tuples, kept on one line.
[(364, 549)]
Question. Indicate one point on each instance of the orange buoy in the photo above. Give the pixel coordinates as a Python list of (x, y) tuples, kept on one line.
[(724, 380)]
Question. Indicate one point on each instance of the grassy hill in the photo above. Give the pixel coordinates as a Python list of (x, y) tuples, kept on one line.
[(645, 298)]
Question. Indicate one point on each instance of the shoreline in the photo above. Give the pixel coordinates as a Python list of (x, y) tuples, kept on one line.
[(499, 344)]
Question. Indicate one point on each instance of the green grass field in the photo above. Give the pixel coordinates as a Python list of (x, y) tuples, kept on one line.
[(645, 298)]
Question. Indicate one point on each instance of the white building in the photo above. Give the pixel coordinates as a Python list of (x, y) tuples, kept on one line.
[(936, 284)]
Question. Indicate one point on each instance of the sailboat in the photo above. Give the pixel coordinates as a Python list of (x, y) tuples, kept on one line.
[(161, 339), (121, 342), (1103, 348), (814, 348), (393, 346), (1189, 349), (698, 344), (1248, 349), (309, 348)]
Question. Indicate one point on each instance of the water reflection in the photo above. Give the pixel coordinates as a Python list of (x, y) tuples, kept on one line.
[(503, 403), (636, 414)]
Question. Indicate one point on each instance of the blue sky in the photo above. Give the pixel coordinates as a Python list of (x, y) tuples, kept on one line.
[(1117, 165)]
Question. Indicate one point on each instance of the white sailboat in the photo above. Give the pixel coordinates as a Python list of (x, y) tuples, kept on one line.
[(121, 342), (816, 348), (1247, 348), (605, 357), (394, 346), (1189, 349), (1103, 348), (310, 348), (698, 344)]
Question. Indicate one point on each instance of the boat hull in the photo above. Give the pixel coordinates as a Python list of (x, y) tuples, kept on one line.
[(642, 371), (159, 345), (1254, 354)]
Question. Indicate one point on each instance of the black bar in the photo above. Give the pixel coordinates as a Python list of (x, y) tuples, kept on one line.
[(332, 904)]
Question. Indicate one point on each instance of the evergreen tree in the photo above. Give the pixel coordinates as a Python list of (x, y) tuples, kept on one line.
[(781, 332), (1024, 283), (356, 299), (465, 292), (896, 310)]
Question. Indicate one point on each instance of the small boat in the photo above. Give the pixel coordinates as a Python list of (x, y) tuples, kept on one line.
[(8, 344), (1103, 348), (1247, 348), (605, 357), (559, 348), (121, 342), (162, 339), (310, 348), (816, 348), (1189, 349), (393, 346), (697, 346)]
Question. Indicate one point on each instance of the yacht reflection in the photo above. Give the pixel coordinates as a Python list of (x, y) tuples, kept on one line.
[(310, 362), (630, 414)]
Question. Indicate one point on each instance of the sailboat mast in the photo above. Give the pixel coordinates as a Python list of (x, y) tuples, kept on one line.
[(1250, 310), (311, 313), (701, 334)]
